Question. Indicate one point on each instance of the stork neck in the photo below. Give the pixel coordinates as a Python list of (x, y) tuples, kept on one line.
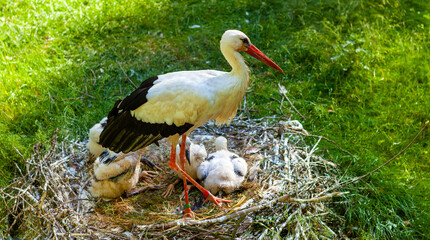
[(236, 62)]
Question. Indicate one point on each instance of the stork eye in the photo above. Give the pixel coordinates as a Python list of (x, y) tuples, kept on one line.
[(210, 158), (233, 157), (245, 40)]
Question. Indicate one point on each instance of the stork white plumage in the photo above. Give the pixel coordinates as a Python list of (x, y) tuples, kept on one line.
[(174, 104), (93, 146), (222, 170)]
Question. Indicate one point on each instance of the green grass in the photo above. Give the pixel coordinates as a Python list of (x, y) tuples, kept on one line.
[(358, 70)]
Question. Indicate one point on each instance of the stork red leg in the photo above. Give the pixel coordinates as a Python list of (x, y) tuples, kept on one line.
[(209, 197), (187, 211)]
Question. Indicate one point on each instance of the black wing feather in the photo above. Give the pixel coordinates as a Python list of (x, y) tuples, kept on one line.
[(134, 99), (125, 133)]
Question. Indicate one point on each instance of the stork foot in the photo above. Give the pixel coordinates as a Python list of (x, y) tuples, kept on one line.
[(217, 201), (150, 164), (134, 192), (170, 189), (188, 213), (146, 176)]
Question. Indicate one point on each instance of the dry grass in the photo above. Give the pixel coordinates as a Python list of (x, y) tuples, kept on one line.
[(287, 193)]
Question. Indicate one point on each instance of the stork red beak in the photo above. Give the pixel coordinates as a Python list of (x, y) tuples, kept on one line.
[(255, 52)]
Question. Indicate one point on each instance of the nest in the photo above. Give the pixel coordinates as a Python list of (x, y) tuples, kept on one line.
[(287, 193)]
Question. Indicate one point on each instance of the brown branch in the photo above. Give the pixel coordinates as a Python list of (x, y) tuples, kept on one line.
[(398, 154), (233, 235), (126, 74), (95, 78), (282, 91), (71, 99), (215, 234), (237, 214), (327, 139), (288, 198)]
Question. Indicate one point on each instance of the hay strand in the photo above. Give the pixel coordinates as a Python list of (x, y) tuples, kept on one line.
[(287, 193)]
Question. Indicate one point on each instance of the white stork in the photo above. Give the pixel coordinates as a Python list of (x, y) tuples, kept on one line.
[(174, 104)]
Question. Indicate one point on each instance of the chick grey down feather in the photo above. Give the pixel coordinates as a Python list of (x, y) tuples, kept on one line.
[(114, 174), (195, 154), (222, 170)]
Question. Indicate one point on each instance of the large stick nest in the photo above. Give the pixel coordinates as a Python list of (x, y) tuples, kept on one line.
[(287, 193)]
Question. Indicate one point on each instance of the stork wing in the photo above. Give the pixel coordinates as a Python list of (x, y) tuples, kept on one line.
[(123, 132)]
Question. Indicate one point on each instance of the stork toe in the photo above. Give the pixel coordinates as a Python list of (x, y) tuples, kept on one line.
[(183, 192), (146, 176), (169, 191), (188, 213), (217, 201)]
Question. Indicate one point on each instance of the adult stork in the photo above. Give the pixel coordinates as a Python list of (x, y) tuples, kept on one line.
[(174, 104)]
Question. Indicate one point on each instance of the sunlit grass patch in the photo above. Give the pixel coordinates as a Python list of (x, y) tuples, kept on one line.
[(358, 71)]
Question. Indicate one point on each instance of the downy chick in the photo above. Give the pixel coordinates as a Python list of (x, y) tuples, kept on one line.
[(195, 154), (93, 146), (116, 174), (222, 170)]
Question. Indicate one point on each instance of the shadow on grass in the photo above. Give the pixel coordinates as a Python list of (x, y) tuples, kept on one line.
[(315, 42)]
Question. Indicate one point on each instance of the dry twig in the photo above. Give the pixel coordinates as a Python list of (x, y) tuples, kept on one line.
[(283, 91), (134, 85), (390, 160)]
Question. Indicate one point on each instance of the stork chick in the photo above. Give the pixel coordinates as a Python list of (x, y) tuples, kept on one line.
[(116, 174), (93, 146), (195, 154), (222, 170)]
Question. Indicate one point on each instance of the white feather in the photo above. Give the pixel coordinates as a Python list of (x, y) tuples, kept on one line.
[(112, 179), (191, 97), (196, 97), (197, 156), (218, 171), (93, 145)]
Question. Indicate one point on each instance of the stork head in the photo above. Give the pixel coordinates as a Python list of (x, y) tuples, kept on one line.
[(238, 41), (220, 143)]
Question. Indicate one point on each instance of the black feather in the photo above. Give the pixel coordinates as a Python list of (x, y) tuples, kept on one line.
[(205, 175), (187, 156), (148, 162), (105, 159), (129, 171), (125, 133), (104, 154), (134, 99), (238, 173)]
